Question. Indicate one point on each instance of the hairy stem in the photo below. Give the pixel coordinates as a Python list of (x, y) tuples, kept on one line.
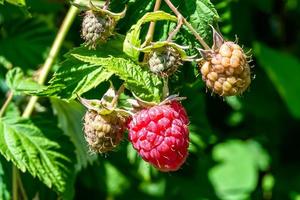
[(52, 55), (190, 27), (6, 103), (149, 36), (63, 30)]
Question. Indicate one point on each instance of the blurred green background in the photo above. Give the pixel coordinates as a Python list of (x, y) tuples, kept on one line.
[(241, 147)]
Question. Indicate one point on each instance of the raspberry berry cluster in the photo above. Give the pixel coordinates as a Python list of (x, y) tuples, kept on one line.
[(158, 132)]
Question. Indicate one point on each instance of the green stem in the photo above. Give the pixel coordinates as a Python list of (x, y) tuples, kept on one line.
[(190, 27), (52, 55), (15, 175), (6, 103), (63, 30), (149, 36)]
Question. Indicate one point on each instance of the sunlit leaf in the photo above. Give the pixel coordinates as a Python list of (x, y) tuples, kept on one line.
[(133, 41), (283, 70), (75, 77), (141, 82), (236, 176), (46, 155), (16, 2), (18, 83)]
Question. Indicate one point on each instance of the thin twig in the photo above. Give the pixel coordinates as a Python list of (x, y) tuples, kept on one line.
[(149, 36), (22, 189), (190, 27), (177, 28), (15, 175), (6, 103)]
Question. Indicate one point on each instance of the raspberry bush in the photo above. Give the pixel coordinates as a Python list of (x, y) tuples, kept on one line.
[(149, 99)]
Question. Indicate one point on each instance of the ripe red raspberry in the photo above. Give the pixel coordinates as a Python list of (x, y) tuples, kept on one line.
[(160, 135)]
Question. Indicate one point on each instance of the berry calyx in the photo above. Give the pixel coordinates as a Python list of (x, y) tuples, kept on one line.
[(226, 69), (160, 135)]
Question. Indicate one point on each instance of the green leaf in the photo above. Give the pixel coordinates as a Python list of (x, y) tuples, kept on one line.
[(26, 41), (5, 63), (202, 13), (12, 110), (4, 191), (283, 70), (116, 182), (143, 84), (75, 77), (156, 189), (47, 155), (19, 84), (133, 41), (236, 176), (17, 2), (70, 121)]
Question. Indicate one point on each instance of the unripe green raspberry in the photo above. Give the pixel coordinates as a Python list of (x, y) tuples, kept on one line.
[(103, 132), (164, 61), (227, 71), (96, 28)]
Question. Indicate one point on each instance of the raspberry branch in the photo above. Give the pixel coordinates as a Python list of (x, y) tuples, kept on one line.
[(149, 36), (190, 27)]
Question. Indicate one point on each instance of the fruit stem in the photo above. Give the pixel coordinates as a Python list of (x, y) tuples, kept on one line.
[(190, 27), (63, 30), (6, 103), (175, 31), (149, 36), (119, 92), (166, 91)]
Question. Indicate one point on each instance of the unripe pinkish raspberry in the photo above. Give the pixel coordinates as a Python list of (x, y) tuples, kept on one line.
[(225, 69)]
